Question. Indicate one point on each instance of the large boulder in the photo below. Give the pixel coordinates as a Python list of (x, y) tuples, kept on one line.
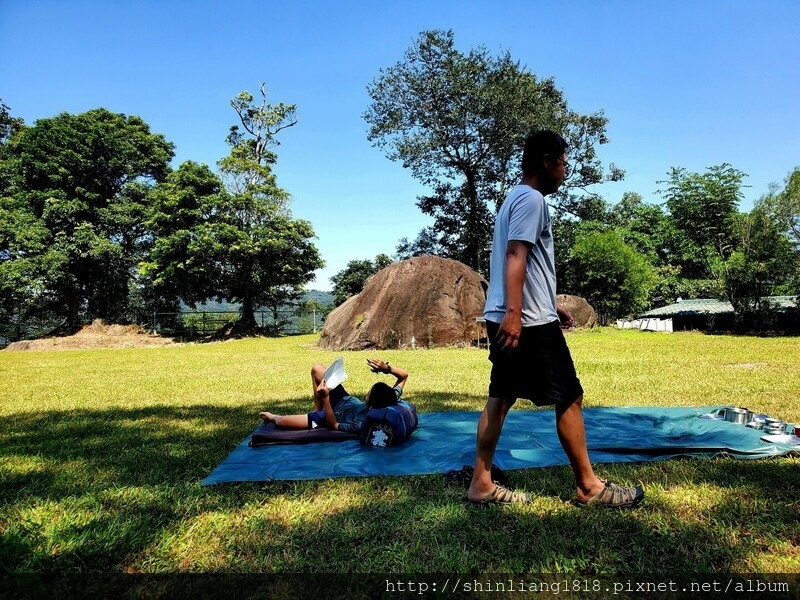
[(421, 302), (582, 312)]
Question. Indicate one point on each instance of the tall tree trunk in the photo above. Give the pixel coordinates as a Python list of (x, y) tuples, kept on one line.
[(72, 323), (246, 324)]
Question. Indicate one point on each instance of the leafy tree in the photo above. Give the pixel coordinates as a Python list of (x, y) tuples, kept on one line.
[(565, 233), (233, 237), (24, 300), (652, 232), (18, 229), (269, 256), (593, 214), (458, 122), (784, 205), (640, 225), (9, 126), (183, 209), (748, 256), (76, 183), (426, 244), (764, 263), (610, 274), (704, 207), (350, 280)]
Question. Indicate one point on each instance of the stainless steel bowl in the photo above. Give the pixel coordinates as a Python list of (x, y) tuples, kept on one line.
[(775, 428), (738, 415)]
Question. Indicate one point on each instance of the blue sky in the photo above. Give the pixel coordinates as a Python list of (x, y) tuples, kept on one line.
[(688, 84)]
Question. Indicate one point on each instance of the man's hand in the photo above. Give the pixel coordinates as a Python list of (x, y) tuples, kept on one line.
[(377, 366), (565, 317), (510, 330)]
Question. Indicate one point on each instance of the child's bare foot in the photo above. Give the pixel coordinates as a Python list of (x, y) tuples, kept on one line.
[(268, 416)]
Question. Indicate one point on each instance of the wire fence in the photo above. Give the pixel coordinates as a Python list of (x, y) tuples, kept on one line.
[(207, 322), (185, 324)]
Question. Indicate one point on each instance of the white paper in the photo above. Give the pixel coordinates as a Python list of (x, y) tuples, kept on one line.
[(335, 374)]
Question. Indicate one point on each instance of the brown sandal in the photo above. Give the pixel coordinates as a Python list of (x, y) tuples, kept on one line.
[(614, 496), (501, 495)]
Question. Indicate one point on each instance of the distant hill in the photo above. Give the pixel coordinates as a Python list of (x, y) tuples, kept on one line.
[(291, 321), (322, 298)]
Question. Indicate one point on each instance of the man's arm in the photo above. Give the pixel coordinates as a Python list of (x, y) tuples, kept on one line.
[(379, 366), (514, 280)]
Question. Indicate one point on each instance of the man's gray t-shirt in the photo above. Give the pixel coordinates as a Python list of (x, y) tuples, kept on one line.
[(524, 217)]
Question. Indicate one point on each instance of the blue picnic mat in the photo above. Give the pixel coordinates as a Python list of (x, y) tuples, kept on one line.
[(446, 440)]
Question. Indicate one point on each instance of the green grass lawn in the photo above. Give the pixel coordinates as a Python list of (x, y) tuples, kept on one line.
[(102, 452)]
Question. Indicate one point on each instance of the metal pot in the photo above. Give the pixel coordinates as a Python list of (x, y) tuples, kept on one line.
[(740, 416), (721, 412), (774, 428)]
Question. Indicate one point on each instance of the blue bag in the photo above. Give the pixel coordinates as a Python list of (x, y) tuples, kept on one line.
[(389, 426)]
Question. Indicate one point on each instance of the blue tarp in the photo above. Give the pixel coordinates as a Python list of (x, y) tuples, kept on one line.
[(446, 441)]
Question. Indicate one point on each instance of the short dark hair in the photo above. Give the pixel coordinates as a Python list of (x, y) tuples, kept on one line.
[(538, 145), (381, 395)]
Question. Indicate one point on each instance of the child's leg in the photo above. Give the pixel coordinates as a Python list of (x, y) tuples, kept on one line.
[(286, 421), (317, 373), (292, 422)]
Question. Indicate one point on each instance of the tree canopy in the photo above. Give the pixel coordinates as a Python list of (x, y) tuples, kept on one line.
[(458, 122), (233, 237), (610, 274), (75, 201), (94, 223), (784, 205)]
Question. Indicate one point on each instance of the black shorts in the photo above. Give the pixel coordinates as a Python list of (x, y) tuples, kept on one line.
[(539, 369)]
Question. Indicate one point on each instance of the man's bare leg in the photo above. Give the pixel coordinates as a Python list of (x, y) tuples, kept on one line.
[(572, 435), (489, 427)]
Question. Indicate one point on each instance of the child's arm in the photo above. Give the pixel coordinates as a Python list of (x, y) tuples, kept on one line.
[(324, 397), (379, 366)]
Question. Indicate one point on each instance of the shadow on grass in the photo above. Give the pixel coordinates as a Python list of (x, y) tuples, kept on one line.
[(424, 525), (429, 401), (56, 454), (60, 453), (88, 489), (94, 490)]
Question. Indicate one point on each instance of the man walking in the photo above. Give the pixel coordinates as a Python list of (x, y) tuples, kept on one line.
[(529, 355)]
